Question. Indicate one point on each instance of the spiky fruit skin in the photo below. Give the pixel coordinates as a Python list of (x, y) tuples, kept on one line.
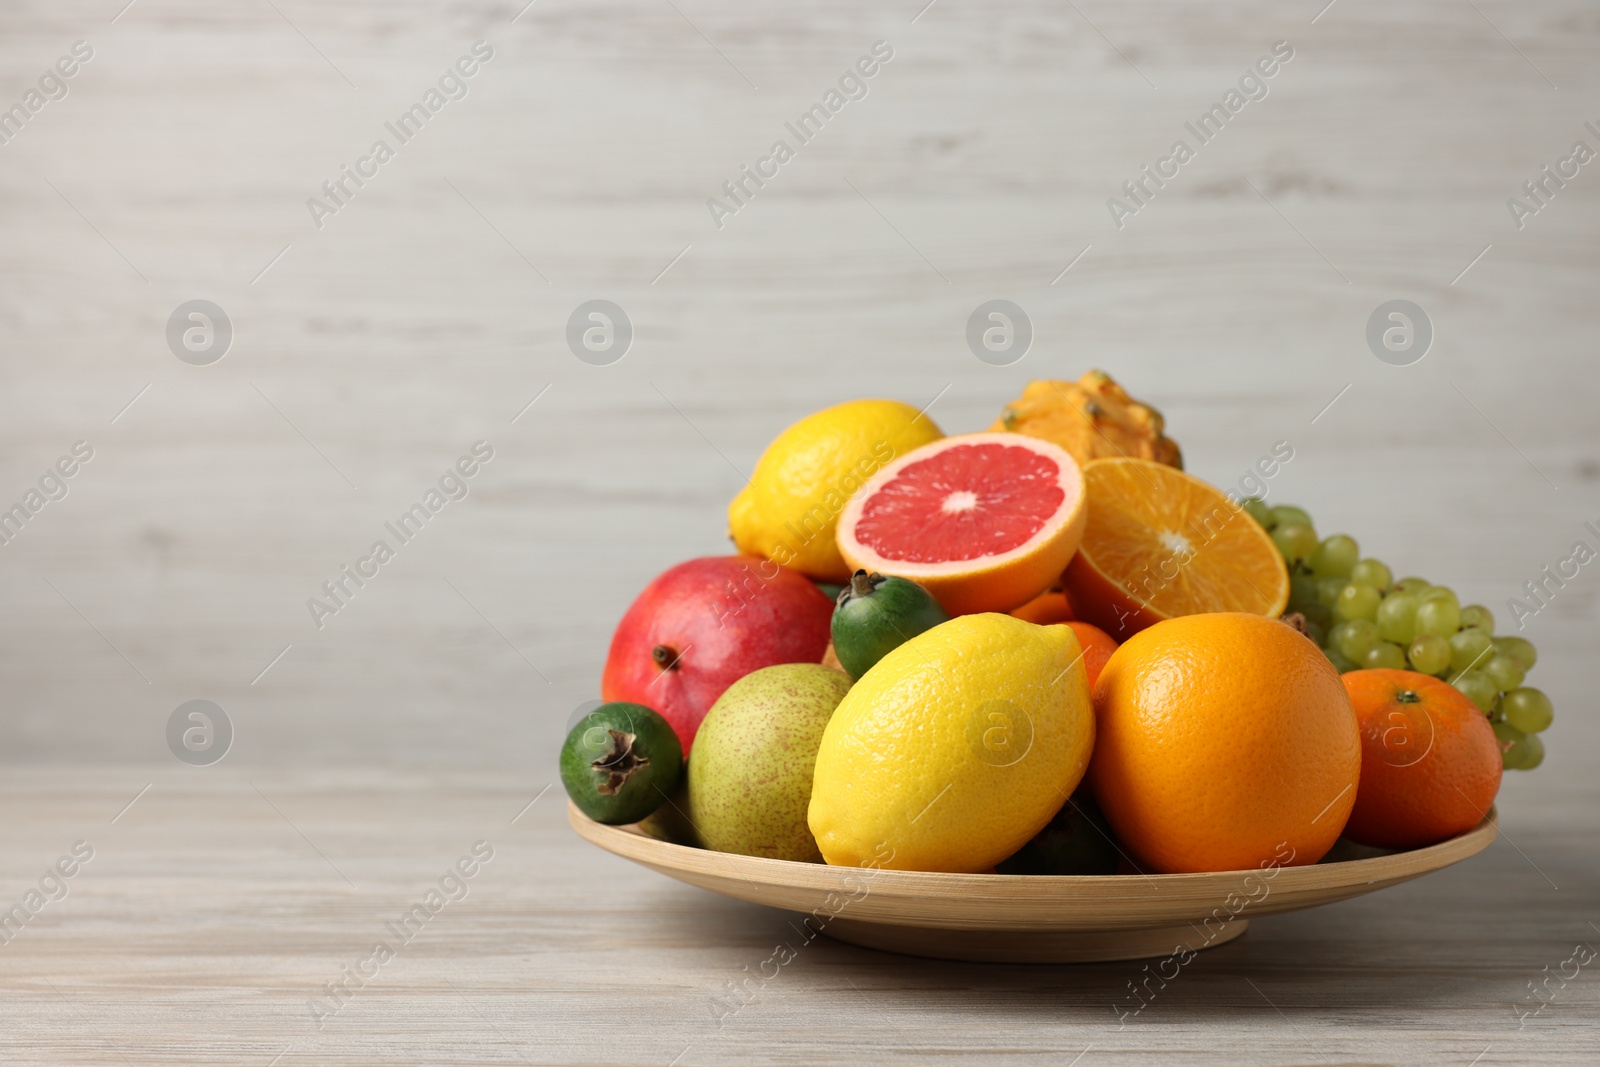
[(1090, 418), (719, 617)]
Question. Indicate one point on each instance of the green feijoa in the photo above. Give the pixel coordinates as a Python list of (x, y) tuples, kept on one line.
[(619, 763), (1077, 841), (875, 615)]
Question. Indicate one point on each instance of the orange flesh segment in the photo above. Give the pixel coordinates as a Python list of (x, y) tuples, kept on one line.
[(1176, 544)]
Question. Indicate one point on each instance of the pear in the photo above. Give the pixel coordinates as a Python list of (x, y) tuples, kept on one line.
[(750, 774)]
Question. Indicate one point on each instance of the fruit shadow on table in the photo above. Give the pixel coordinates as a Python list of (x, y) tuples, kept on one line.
[(1439, 943)]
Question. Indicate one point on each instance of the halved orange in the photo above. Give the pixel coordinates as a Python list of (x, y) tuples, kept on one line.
[(1161, 543)]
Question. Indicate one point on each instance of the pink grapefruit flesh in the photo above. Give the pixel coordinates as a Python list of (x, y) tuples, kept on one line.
[(985, 521)]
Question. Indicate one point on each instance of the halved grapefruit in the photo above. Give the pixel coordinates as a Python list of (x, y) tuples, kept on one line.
[(985, 521), (1161, 543)]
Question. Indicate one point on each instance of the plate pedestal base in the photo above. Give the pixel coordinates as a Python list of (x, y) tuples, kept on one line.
[(1033, 946)]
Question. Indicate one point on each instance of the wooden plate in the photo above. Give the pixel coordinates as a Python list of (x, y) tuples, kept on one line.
[(1029, 918)]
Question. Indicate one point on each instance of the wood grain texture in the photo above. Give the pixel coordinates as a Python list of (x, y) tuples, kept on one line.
[(427, 314), (976, 902), (220, 904)]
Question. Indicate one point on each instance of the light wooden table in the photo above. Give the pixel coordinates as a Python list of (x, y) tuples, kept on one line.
[(216, 909), (430, 310)]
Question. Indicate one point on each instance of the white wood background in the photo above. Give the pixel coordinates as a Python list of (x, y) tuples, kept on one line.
[(431, 310)]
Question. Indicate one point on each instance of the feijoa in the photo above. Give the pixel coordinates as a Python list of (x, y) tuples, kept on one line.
[(1077, 841), (620, 762), (875, 615)]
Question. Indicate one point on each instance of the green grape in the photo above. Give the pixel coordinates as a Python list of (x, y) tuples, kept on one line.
[(1318, 616), (1412, 585), (1468, 649), (1341, 662), (1429, 654), (1437, 616), (1295, 541), (1259, 511), (1504, 671), (1397, 618), (1328, 590), (1476, 687), (1477, 617), (1355, 637), (1336, 634), (1317, 631), (1357, 601), (1532, 752), (1439, 592), (1385, 654), (1519, 647), (1302, 590), (1335, 557), (1510, 739), (1289, 515), (1528, 709), (1370, 572)]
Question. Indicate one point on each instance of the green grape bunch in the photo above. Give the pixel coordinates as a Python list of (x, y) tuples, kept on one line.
[(1363, 618)]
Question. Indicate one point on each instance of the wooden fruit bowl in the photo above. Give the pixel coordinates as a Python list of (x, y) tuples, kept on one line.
[(1003, 918)]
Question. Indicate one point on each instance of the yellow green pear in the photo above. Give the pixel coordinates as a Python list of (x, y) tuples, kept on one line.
[(749, 777)]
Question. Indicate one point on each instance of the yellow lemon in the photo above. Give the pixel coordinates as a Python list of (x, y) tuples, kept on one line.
[(955, 749), (807, 474)]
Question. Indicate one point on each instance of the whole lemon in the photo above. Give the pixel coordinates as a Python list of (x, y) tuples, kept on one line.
[(955, 749), (806, 476)]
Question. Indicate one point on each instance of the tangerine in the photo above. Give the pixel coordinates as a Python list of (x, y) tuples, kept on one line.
[(1049, 607), (1097, 647), (1430, 764)]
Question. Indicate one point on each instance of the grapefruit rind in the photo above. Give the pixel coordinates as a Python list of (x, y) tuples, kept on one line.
[(998, 582)]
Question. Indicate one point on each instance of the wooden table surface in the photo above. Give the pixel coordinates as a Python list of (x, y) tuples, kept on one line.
[(216, 910), (429, 313)]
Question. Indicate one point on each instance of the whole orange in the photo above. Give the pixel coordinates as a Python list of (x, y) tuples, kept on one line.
[(1223, 741), (1097, 648), (1430, 765)]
